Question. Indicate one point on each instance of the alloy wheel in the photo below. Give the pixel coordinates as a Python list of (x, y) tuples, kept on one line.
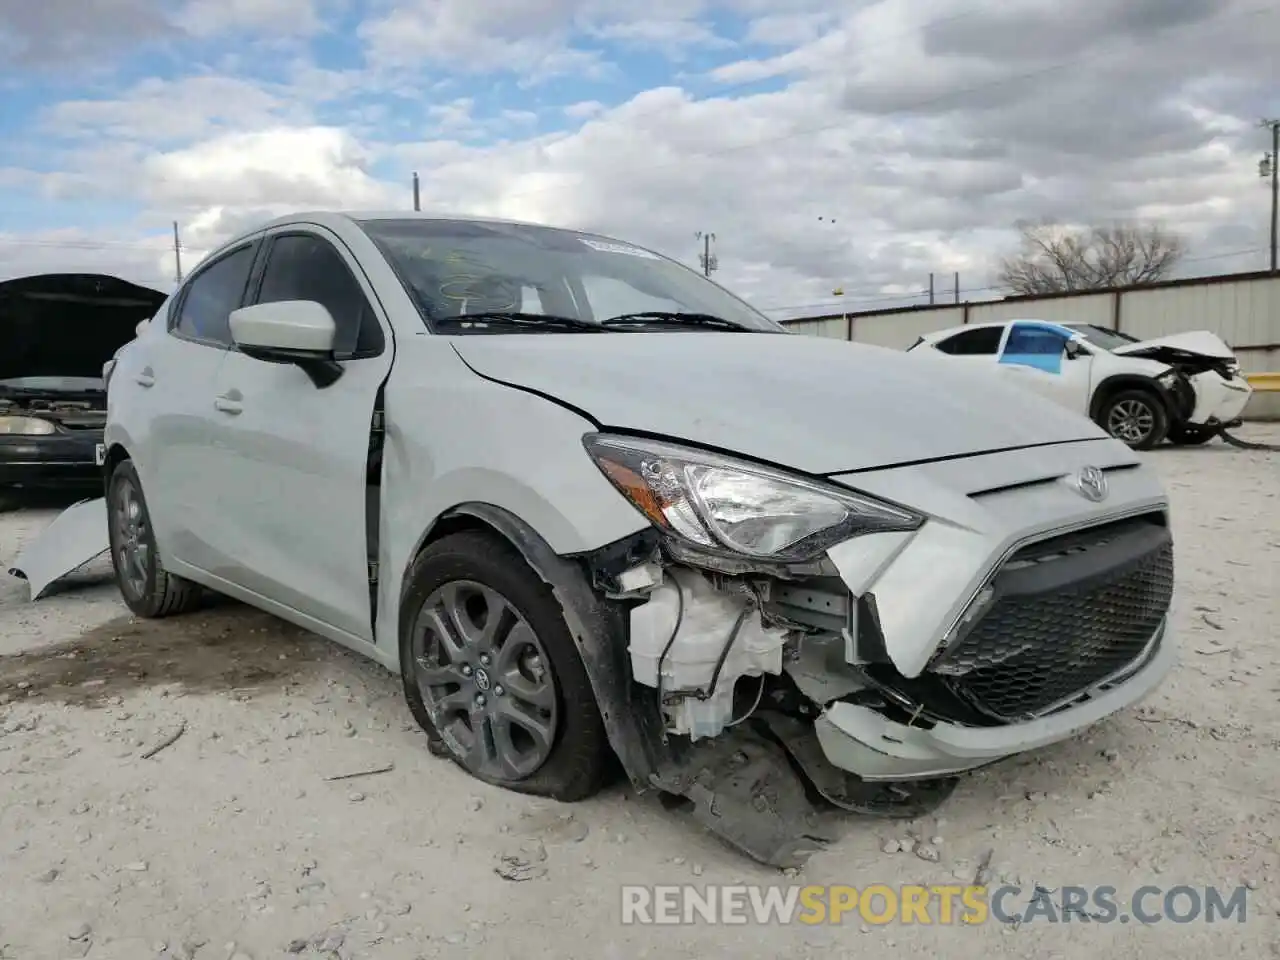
[(132, 546), (486, 681), (1131, 421)]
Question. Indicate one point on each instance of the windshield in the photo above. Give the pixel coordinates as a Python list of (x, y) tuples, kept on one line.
[(1102, 337), (457, 268)]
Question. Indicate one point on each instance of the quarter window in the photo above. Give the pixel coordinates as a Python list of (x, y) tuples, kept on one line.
[(307, 267)]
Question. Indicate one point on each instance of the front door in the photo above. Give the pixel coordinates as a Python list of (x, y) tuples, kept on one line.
[(1035, 355), (173, 375), (294, 455)]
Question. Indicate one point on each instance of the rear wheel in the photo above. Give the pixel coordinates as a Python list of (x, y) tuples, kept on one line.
[(492, 674), (148, 589), (1136, 417), (1188, 436)]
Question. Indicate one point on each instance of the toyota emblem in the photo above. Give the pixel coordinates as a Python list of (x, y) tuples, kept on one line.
[(1091, 483)]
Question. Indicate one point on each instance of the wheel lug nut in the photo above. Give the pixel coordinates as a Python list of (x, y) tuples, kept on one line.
[(484, 659), (498, 691), (480, 700), (466, 670)]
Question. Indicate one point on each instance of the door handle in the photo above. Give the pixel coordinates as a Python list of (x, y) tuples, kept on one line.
[(145, 377), (229, 402)]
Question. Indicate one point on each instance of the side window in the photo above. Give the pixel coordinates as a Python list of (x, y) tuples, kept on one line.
[(1026, 340), (211, 295), (980, 341), (307, 267)]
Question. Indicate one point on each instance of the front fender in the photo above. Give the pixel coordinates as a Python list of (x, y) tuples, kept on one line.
[(1109, 386), (599, 631)]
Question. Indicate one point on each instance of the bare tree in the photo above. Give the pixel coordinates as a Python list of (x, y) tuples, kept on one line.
[(1054, 258)]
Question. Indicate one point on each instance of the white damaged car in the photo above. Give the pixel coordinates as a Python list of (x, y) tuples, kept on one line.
[(591, 506), (1184, 388)]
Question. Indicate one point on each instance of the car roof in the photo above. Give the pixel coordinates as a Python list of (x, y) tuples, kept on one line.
[(336, 218), (950, 331)]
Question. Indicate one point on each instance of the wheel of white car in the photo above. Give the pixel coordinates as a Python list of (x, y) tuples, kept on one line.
[(492, 674), (148, 589), (1136, 417)]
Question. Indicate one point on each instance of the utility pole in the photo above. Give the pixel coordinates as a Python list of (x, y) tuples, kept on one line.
[(931, 288), (1270, 167), (417, 197), (710, 263), (957, 286), (177, 254)]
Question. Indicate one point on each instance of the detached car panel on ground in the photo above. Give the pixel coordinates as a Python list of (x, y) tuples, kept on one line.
[(56, 333), (586, 501), (1183, 388)]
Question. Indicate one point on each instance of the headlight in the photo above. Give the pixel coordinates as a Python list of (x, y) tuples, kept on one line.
[(725, 505), (26, 427)]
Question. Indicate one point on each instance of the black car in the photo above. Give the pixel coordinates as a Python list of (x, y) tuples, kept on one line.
[(56, 333)]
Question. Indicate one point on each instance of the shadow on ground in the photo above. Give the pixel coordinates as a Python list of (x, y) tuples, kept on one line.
[(227, 647)]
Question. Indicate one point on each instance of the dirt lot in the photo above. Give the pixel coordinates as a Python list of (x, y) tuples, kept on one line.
[(232, 841)]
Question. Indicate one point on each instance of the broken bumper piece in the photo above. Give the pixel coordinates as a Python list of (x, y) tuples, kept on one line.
[(863, 742)]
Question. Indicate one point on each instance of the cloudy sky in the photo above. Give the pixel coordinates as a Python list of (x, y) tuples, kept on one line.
[(852, 143)]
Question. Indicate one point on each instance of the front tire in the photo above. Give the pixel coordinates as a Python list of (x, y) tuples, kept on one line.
[(492, 674), (148, 589), (1135, 417)]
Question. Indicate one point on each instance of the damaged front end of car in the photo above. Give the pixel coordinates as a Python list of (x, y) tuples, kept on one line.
[(1205, 387), (755, 681)]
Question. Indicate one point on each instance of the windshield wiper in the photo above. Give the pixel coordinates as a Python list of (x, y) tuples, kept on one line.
[(670, 318), (517, 319)]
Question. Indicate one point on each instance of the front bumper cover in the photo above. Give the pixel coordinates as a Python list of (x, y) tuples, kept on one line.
[(58, 460), (1218, 399), (861, 741)]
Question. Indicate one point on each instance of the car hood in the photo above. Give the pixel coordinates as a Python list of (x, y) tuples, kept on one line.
[(815, 405), (1200, 342), (69, 324)]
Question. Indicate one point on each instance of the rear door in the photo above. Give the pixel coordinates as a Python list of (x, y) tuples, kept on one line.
[(293, 457)]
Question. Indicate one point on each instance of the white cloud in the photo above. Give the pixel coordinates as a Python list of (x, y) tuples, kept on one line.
[(205, 18), (280, 169), (584, 109), (923, 145), (159, 111)]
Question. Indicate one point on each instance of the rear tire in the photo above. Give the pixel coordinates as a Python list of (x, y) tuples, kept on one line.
[(1188, 436), (512, 668), (1135, 417), (148, 589)]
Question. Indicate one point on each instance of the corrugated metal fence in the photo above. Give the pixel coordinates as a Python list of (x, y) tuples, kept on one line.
[(1243, 309)]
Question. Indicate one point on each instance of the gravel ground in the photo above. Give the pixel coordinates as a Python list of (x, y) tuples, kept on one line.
[(232, 841)]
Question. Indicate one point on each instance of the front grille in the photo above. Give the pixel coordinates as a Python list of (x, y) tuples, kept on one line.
[(1063, 621)]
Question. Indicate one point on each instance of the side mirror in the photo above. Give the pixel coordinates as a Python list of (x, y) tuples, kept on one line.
[(1073, 350), (300, 332)]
